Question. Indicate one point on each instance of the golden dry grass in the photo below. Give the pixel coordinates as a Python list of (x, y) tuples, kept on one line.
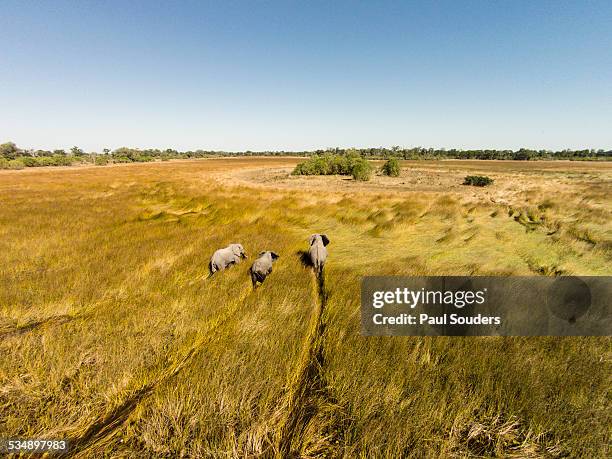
[(111, 335)]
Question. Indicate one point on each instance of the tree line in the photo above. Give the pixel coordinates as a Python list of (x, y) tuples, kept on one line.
[(14, 157), (523, 154)]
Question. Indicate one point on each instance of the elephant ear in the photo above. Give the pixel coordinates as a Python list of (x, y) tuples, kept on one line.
[(236, 249), (325, 239), (261, 253), (274, 255), (311, 239)]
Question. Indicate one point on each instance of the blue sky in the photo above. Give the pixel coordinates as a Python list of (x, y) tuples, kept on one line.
[(305, 75)]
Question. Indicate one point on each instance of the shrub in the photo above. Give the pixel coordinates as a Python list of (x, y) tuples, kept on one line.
[(477, 180), (28, 161), (338, 165), (142, 159), (322, 165), (349, 164), (11, 163), (361, 170), (40, 161), (61, 160), (391, 168), (102, 160), (304, 168), (121, 159), (316, 165)]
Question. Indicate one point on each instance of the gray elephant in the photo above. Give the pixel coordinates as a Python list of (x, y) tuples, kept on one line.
[(317, 251), (262, 266), (225, 257)]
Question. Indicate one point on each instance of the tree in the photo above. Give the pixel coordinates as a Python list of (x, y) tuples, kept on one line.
[(106, 151), (76, 151), (9, 150)]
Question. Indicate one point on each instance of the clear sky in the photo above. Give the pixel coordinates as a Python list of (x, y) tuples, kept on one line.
[(305, 75)]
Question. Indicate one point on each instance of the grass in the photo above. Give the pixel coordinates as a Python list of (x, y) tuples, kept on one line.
[(111, 335)]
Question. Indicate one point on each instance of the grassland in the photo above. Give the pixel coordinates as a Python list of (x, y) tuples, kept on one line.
[(111, 335)]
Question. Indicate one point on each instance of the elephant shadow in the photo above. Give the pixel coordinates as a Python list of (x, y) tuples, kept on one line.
[(304, 258)]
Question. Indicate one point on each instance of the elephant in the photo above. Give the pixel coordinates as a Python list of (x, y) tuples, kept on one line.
[(225, 257), (317, 251), (262, 266)]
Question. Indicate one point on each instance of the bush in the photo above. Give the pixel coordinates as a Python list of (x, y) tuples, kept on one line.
[(16, 164), (39, 161), (349, 164), (339, 165), (317, 165), (391, 168), (361, 170), (28, 161), (477, 180), (60, 160), (11, 163), (142, 159), (121, 159), (102, 160)]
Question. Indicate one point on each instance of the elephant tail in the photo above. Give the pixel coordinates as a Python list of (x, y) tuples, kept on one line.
[(317, 264)]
